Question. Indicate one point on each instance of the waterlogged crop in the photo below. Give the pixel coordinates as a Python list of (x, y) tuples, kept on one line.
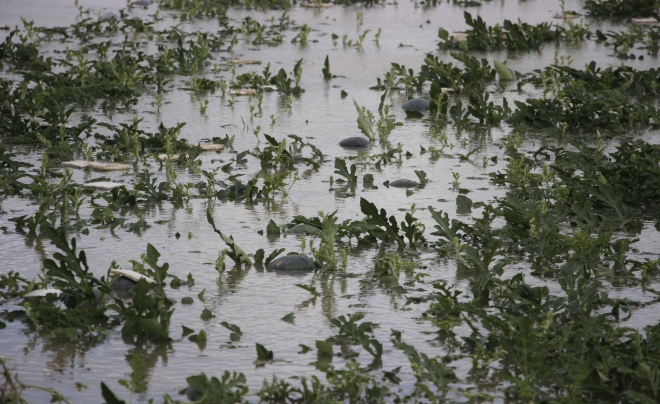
[(524, 286)]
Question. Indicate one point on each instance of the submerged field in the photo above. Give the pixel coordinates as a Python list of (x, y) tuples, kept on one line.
[(520, 264)]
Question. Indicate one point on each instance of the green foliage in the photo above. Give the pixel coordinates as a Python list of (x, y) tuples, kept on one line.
[(326, 69), (326, 254), (156, 272), (272, 228), (518, 36), (236, 332), (263, 354), (236, 253), (82, 313), (229, 389), (341, 169), (365, 119), (147, 316), (383, 228), (622, 8)]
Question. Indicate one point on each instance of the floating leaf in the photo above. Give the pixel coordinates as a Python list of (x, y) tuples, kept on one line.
[(463, 202), (289, 318), (272, 228), (206, 315), (263, 354), (236, 332), (422, 176), (259, 255), (324, 348), (186, 330), (187, 300)]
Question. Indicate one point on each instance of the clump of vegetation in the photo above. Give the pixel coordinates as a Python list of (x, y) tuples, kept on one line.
[(622, 8)]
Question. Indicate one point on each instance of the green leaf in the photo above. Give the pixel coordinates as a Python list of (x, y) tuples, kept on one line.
[(324, 348), (364, 123), (272, 228), (232, 327), (391, 228), (186, 330), (289, 318), (109, 396), (274, 255), (201, 336), (263, 354), (422, 176), (259, 255), (504, 72), (237, 254), (341, 169), (443, 34), (200, 296), (187, 300), (206, 315), (463, 202)]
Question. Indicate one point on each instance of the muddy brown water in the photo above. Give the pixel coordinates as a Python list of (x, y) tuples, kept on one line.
[(253, 299)]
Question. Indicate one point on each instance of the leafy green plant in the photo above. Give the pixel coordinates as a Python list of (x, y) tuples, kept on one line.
[(384, 229), (342, 170), (365, 121), (147, 317), (326, 69), (236, 253), (230, 388)]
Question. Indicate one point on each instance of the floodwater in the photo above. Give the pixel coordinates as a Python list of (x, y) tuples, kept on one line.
[(254, 299)]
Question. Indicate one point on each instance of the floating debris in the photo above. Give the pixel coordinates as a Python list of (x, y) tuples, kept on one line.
[(243, 92), (293, 263), (82, 164), (163, 157), (103, 185), (644, 21), (447, 90), (127, 279), (244, 62), (416, 104), (43, 293), (269, 88), (404, 183), (76, 164), (460, 37), (355, 141)]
